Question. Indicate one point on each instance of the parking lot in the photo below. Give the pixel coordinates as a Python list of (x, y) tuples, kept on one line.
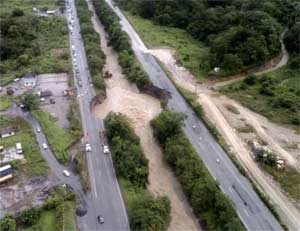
[(56, 83)]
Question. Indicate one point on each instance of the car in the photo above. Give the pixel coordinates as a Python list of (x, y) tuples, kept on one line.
[(45, 146), (88, 147), (42, 99), (100, 219), (218, 161), (80, 83), (38, 129), (105, 149), (66, 173)]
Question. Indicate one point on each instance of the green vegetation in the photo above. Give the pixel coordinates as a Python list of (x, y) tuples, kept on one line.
[(58, 213), (31, 101), (120, 42), (209, 203), (30, 43), (58, 138), (73, 117), (95, 56), (5, 102), (288, 178), (145, 212), (35, 164), (275, 94), (47, 221), (82, 169), (239, 34), (191, 53), (8, 224)]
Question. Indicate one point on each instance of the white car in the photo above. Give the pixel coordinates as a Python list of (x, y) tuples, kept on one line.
[(66, 173), (45, 146), (218, 161), (105, 149), (88, 147), (42, 99), (38, 129)]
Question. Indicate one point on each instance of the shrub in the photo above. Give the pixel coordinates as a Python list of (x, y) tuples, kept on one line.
[(8, 224), (208, 202)]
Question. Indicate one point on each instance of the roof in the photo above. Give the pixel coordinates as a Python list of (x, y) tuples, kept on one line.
[(3, 168), (7, 130)]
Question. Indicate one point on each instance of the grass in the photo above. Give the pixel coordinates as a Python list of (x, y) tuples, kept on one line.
[(47, 221), (35, 164), (288, 178), (51, 38), (5, 102), (58, 138), (282, 83), (189, 52), (69, 221)]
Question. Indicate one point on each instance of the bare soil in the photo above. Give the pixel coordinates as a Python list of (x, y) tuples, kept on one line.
[(275, 136), (141, 109)]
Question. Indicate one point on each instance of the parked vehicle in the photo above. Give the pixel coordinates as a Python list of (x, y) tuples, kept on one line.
[(100, 219), (19, 148)]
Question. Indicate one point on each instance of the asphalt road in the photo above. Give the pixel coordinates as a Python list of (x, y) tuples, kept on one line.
[(105, 196), (56, 168), (251, 210)]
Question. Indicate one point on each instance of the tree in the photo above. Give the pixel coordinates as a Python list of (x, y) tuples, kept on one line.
[(17, 13), (7, 224), (232, 62), (167, 124), (30, 101)]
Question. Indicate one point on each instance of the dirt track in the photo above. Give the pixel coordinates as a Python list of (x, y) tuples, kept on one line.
[(140, 108), (213, 106)]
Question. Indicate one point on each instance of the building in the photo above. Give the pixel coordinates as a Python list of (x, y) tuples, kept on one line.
[(6, 132), (29, 80)]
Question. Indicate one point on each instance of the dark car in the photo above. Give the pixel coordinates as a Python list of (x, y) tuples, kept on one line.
[(100, 219)]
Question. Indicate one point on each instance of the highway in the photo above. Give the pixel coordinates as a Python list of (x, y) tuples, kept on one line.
[(105, 196), (251, 210)]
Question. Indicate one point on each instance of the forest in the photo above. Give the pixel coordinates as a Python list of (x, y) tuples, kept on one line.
[(240, 34)]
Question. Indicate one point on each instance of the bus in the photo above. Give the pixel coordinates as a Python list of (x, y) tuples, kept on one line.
[(5, 172)]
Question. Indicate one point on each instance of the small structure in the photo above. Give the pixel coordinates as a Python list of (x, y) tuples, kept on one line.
[(44, 94), (51, 12), (6, 132), (29, 80)]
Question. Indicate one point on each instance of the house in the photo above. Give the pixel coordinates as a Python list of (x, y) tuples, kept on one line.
[(29, 80), (6, 132), (44, 94)]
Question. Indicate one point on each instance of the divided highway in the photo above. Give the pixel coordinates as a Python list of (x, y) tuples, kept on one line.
[(251, 210), (105, 197)]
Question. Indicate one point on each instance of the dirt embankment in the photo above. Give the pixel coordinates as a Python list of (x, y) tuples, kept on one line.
[(215, 106), (141, 109)]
